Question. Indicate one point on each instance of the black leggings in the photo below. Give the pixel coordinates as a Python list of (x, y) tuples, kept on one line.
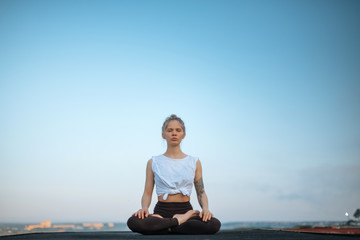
[(168, 224)]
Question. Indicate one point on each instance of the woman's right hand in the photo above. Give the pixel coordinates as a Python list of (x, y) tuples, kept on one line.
[(142, 213)]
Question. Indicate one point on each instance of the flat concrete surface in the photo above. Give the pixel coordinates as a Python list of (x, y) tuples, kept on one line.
[(233, 234)]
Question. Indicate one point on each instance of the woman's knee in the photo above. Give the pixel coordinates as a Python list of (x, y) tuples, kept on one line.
[(196, 225), (134, 224), (215, 225), (131, 223)]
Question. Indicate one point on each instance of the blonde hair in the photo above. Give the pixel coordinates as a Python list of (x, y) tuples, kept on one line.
[(173, 117)]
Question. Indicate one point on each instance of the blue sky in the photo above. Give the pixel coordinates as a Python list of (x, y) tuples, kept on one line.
[(269, 92)]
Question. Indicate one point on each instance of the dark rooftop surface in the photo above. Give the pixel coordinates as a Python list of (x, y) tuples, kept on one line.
[(255, 234)]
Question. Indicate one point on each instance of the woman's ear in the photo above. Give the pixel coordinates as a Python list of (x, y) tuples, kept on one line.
[(163, 135), (184, 135)]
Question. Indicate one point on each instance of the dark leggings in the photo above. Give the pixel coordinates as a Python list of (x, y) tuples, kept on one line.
[(168, 224)]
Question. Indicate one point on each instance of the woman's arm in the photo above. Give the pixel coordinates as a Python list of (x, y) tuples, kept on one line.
[(149, 187), (201, 195)]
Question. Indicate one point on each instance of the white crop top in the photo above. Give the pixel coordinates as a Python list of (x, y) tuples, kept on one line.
[(174, 176)]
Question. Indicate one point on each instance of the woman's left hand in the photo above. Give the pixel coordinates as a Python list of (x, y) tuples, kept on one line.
[(206, 215)]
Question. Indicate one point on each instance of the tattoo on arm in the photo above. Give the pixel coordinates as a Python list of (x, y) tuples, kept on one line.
[(199, 186)]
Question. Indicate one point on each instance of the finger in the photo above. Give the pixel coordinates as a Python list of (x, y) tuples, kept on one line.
[(146, 214), (142, 214), (201, 215), (207, 217)]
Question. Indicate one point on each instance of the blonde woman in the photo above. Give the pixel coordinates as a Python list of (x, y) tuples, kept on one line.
[(174, 173)]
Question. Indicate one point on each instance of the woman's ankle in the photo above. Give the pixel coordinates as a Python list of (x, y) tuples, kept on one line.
[(186, 216)]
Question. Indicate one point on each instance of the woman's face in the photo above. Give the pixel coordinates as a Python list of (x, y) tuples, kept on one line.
[(173, 134)]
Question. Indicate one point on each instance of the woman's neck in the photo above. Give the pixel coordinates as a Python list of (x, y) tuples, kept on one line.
[(174, 152)]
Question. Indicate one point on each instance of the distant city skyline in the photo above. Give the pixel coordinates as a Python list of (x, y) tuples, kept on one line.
[(48, 226), (269, 92)]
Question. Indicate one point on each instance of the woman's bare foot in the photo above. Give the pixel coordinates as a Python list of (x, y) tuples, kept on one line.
[(184, 217)]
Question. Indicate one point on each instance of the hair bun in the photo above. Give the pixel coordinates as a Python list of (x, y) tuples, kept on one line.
[(173, 116)]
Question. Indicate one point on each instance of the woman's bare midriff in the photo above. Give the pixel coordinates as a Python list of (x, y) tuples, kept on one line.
[(174, 198)]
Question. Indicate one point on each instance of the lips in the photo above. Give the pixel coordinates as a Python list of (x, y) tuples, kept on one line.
[(174, 139)]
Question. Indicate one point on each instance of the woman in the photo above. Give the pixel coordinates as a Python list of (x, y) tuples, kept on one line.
[(174, 174)]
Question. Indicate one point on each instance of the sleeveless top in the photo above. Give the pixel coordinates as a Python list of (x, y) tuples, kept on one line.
[(174, 176)]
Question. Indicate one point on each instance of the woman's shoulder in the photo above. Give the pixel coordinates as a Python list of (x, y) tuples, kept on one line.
[(195, 158), (149, 163), (156, 157)]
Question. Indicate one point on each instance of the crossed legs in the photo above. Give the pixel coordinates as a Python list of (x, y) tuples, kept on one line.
[(187, 223)]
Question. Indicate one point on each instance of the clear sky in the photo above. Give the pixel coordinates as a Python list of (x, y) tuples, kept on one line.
[(269, 92)]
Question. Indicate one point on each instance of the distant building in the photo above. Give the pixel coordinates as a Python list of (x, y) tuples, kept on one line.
[(93, 225), (64, 226), (61, 227), (44, 224)]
